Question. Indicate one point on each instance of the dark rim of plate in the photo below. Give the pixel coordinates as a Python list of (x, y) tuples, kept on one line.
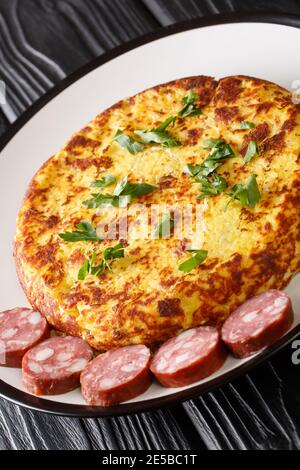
[(65, 409)]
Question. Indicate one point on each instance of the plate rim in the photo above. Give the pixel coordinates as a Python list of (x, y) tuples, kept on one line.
[(32, 402)]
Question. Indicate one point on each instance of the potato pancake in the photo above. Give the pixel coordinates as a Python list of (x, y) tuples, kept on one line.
[(228, 150)]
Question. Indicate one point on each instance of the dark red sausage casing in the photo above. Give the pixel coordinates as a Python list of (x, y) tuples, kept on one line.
[(191, 356), (20, 330), (54, 366), (116, 376), (258, 323)]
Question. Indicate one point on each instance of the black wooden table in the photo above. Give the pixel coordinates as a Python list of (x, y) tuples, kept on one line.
[(42, 41)]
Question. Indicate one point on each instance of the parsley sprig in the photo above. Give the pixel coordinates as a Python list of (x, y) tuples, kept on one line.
[(252, 151), (127, 142), (122, 195), (247, 194), (165, 226), (85, 232), (193, 262), (105, 181), (190, 108), (109, 254), (220, 151), (211, 184), (159, 135)]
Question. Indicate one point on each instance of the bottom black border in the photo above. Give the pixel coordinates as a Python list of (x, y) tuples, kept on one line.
[(40, 404)]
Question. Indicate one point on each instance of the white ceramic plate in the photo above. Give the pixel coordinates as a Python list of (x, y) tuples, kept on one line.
[(255, 47)]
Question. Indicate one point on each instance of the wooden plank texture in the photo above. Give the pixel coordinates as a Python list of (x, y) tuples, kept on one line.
[(42, 41)]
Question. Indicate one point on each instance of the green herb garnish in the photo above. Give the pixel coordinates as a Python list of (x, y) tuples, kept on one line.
[(247, 125), (163, 126), (85, 232), (164, 228), (251, 152), (203, 170), (159, 135), (248, 194), (107, 180), (212, 186), (219, 151), (108, 256), (190, 108), (124, 188), (211, 143), (128, 143), (195, 261), (156, 136), (102, 200), (123, 194)]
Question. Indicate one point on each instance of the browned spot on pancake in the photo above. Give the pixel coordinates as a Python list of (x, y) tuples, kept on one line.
[(86, 130), (44, 255), (73, 298), (289, 125), (226, 113), (30, 215), (84, 163), (228, 90), (135, 251), (169, 307), (204, 87), (258, 135), (268, 226), (124, 242), (193, 137), (79, 163), (82, 142), (52, 221), (166, 181), (103, 162), (34, 191), (77, 257), (268, 260), (54, 277), (96, 295), (180, 248), (275, 143), (264, 107)]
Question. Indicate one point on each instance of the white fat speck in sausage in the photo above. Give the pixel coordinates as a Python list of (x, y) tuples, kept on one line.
[(44, 354)]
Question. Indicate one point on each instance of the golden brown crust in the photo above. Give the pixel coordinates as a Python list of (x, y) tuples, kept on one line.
[(146, 299)]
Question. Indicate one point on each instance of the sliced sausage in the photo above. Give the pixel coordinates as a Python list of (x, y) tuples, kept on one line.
[(258, 323), (116, 376), (54, 366), (191, 356), (20, 330)]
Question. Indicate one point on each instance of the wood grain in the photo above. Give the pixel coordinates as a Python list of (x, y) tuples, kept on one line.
[(42, 41)]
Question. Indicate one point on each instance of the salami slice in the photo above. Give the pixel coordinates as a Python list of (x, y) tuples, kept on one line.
[(54, 366), (116, 376), (189, 357), (258, 323), (20, 330)]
